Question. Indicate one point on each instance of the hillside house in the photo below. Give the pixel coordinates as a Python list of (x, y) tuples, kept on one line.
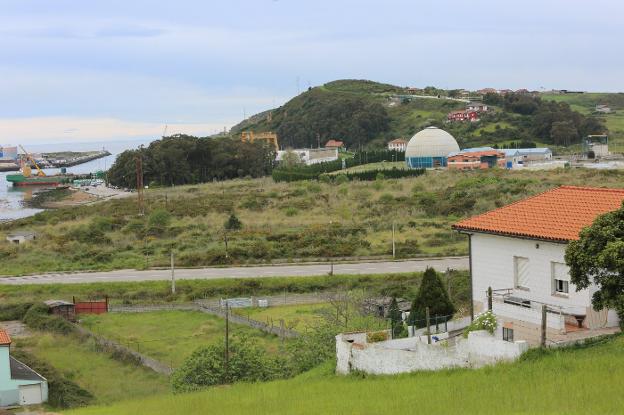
[(487, 91), (19, 384), (518, 250), (337, 144), (476, 106), (397, 145), (461, 115), (470, 160)]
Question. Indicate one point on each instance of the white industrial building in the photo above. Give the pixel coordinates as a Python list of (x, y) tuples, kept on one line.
[(311, 155)]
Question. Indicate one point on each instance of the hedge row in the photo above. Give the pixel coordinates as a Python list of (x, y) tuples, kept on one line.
[(370, 175)]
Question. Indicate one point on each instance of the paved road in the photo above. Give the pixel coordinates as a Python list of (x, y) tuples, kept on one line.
[(300, 270)]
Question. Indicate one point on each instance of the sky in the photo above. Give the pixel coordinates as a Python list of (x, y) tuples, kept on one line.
[(103, 70)]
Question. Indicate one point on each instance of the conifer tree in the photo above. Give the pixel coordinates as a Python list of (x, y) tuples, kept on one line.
[(433, 295)]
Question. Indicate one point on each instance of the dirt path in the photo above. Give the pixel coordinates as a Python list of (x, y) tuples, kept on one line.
[(15, 328)]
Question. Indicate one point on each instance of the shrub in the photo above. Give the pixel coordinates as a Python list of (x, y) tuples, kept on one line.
[(484, 321), (233, 223), (37, 317), (13, 311), (158, 221), (376, 336)]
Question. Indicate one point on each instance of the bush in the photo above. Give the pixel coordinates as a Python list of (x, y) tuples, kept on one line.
[(37, 317), (233, 223), (158, 221), (484, 321), (13, 311), (432, 295), (376, 336), (206, 366)]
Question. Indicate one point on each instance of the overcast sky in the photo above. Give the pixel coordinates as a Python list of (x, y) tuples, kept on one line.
[(114, 69)]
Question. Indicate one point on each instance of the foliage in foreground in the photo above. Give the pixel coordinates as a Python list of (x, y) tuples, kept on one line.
[(530, 386), (598, 257)]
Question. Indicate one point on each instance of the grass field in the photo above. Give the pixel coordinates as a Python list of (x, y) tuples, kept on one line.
[(303, 316), (107, 379), (575, 381), (281, 221), (170, 336)]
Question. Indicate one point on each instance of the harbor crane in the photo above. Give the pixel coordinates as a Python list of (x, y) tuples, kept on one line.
[(40, 172)]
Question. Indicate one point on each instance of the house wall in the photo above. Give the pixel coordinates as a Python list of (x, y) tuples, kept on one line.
[(9, 388), (493, 266)]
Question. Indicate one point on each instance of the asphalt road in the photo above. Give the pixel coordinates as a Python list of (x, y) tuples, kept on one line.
[(300, 270)]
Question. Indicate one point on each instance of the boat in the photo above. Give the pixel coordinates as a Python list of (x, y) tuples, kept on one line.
[(25, 177)]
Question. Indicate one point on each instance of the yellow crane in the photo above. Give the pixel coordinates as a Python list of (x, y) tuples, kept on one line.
[(40, 172)]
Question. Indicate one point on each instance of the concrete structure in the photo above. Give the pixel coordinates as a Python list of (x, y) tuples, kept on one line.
[(470, 160), (476, 106), (513, 158), (597, 144), (311, 155), (353, 352), (20, 237), (430, 148), (518, 251), (19, 384), (397, 145), (534, 154), (603, 109)]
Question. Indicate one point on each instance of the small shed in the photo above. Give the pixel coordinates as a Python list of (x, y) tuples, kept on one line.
[(19, 237), (62, 308)]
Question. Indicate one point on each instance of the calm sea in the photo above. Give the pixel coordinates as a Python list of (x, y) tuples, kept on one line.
[(12, 198)]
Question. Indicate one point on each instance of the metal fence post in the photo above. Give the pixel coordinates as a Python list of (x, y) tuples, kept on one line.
[(543, 337)]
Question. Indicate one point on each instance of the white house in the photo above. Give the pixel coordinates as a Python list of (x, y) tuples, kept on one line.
[(398, 144), (518, 250), (19, 384)]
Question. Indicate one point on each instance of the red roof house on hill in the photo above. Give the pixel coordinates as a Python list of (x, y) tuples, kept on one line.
[(519, 251), (334, 144)]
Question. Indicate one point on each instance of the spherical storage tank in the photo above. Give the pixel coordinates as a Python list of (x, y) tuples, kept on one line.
[(430, 148)]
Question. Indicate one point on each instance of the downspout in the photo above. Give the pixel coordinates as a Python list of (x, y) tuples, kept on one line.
[(470, 271)]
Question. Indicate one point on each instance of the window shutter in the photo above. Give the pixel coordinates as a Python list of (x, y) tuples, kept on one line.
[(560, 271), (522, 272)]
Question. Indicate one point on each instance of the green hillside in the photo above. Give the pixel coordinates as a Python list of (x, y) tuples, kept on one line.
[(586, 104), (369, 114), (572, 381)]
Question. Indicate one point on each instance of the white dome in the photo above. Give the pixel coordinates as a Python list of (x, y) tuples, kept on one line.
[(431, 142)]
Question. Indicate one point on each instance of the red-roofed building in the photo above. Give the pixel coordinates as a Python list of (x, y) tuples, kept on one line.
[(334, 144), (470, 160), (518, 250), (5, 340), (463, 115)]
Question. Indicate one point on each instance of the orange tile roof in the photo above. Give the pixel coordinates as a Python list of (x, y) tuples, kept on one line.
[(4, 338), (558, 214), (334, 143)]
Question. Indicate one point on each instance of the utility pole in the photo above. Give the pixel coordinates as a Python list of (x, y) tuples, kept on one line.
[(173, 287), (448, 281), (227, 340), (393, 243), (427, 322), (139, 184)]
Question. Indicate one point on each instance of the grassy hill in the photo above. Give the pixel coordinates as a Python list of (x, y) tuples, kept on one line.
[(571, 381), (371, 113)]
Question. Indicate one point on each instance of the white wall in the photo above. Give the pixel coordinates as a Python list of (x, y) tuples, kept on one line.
[(493, 265), (411, 354)]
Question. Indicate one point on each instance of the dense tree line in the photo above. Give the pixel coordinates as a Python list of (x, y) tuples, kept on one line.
[(549, 121), (318, 116), (183, 159)]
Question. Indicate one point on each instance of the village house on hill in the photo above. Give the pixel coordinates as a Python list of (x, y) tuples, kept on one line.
[(398, 144), (518, 250)]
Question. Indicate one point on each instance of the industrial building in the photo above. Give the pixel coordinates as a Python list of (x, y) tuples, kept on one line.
[(480, 159), (430, 148), (311, 155)]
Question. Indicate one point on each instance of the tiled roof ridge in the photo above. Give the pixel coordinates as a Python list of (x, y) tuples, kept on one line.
[(4, 337)]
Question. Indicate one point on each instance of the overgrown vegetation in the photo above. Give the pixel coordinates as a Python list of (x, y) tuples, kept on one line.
[(281, 221)]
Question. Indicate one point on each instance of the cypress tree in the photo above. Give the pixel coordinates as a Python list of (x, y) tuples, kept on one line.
[(433, 295), (396, 322)]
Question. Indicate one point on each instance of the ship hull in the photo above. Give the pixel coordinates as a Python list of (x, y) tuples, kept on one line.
[(18, 180)]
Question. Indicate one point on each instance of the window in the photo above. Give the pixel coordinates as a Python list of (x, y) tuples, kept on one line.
[(508, 334), (521, 272), (560, 278)]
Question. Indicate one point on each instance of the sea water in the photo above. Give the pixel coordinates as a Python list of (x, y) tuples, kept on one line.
[(12, 199)]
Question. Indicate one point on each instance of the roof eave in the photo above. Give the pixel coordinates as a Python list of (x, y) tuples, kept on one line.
[(465, 230)]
